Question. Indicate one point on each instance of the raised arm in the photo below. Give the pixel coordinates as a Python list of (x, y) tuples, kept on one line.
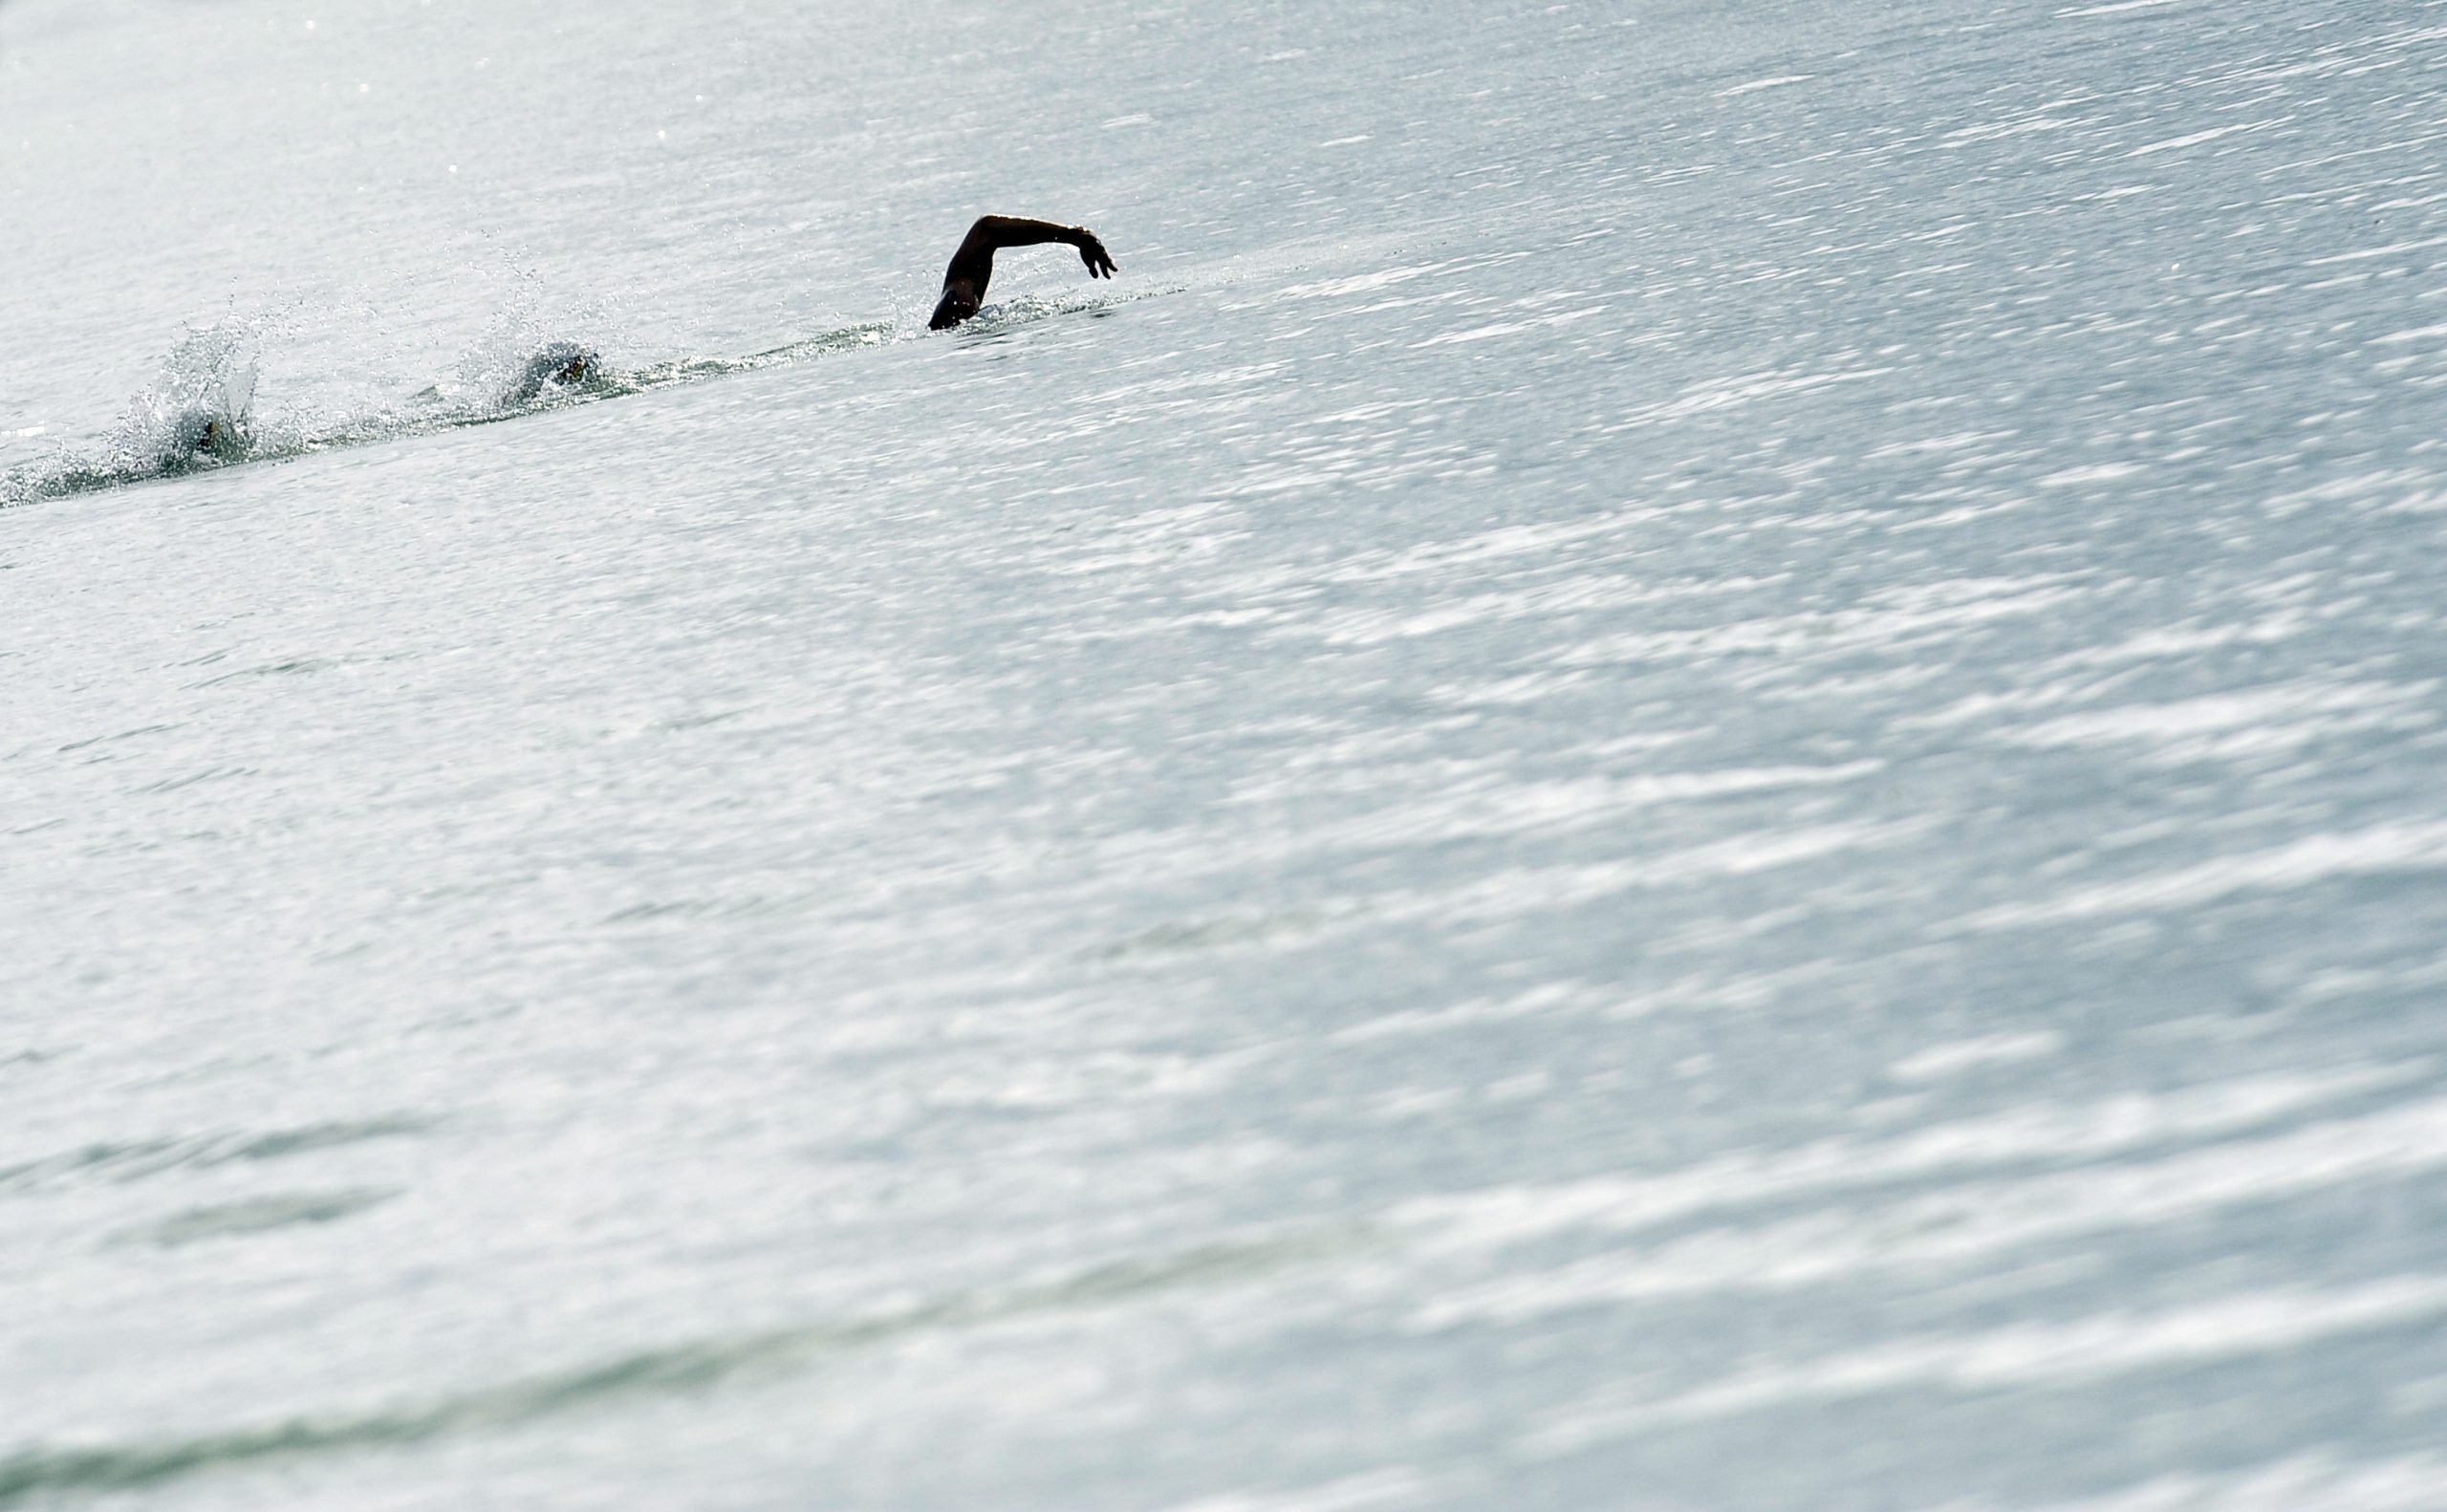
[(972, 267)]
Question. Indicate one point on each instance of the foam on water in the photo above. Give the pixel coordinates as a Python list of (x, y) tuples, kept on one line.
[(193, 418), (201, 411)]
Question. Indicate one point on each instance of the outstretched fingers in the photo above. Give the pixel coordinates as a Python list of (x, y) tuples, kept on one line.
[(1091, 251)]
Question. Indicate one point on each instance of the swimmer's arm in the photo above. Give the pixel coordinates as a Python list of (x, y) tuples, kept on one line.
[(993, 232), (972, 267)]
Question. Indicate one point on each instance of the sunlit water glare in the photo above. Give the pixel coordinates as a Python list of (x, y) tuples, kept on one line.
[(1690, 759)]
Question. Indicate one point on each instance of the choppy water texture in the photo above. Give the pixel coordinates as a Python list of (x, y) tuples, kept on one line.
[(1691, 760)]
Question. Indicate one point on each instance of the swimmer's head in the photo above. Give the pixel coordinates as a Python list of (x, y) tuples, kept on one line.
[(200, 433), (561, 365)]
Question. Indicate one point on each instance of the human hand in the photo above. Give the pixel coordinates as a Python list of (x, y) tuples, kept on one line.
[(1092, 252)]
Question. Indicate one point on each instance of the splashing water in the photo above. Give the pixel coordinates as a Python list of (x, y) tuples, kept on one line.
[(200, 412)]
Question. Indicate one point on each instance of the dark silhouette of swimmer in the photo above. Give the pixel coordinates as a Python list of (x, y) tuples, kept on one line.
[(562, 365), (214, 421), (972, 267), (200, 433)]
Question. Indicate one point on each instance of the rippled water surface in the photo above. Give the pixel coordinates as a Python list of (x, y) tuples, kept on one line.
[(1691, 760)]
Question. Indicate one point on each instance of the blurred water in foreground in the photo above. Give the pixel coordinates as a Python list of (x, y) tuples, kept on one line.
[(1690, 761)]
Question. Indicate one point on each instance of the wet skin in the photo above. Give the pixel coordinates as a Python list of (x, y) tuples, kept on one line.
[(972, 267)]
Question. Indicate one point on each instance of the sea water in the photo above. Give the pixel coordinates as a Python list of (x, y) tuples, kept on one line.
[(1690, 759)]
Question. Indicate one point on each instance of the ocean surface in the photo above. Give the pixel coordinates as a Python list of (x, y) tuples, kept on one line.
[(1692, 759)]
